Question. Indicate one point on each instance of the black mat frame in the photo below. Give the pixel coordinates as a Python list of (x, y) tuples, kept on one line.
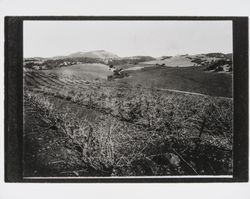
[(13, 70)]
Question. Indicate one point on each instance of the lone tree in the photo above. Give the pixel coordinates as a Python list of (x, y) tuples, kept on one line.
[(117, 72)]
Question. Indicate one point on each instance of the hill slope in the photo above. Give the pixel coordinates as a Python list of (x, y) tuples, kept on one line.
[(184, 60), (190, 79), (181, 61), (84, 71)]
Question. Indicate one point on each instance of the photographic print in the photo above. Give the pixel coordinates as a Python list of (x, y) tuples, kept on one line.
[(127, 98)]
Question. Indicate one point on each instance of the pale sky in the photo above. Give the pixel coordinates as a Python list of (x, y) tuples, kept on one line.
[(126, 38)]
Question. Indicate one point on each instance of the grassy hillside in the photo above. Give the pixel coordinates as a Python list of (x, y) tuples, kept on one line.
[(84, 71), (192, 79), (180, 61), (186, 61)]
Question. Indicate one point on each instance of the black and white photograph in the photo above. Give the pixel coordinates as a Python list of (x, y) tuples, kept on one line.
[(127, 98), (124, 99)]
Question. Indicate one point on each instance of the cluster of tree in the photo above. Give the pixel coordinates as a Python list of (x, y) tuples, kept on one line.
[(217, 55), (30, 65), (198, 60), (217, 65), (165, 57), (117, 74), (160, 65), (130, 60), (229, 56)]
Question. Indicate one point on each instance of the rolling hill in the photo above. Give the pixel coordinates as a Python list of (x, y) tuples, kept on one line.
[(181, 61), (185, 60), (86, 71), (188, 79), (213, 61)]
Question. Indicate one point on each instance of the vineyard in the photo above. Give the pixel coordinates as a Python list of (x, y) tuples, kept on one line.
[(93, 127)]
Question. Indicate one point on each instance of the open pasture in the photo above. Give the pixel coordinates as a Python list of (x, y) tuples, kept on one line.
[(83, 71), (191, 79)]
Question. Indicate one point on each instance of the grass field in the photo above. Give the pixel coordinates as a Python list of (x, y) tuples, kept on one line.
[(192, 79), (128, 127), (83, 71)]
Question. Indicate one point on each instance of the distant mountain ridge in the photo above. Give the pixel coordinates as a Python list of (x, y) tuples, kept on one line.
[(102, 54), (96, 54)]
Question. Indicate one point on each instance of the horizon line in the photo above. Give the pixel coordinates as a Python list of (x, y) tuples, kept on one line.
[(48, 57)]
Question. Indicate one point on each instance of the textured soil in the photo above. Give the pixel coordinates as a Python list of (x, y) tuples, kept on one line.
[(45, 149)]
